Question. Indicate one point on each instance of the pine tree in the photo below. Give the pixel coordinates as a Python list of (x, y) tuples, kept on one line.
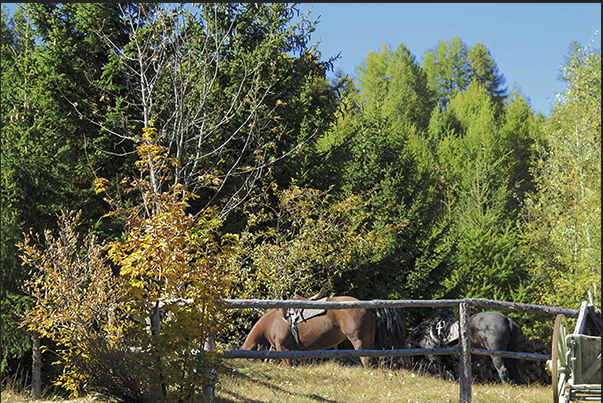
[(388, 150), (487, 262), (485, 71)]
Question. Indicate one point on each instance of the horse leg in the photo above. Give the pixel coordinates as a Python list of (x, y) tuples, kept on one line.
[(363, 339), (367, 362), (503, 372), (285, 362), (363, 343)]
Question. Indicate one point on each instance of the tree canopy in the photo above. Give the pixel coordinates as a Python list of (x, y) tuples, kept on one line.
[(234, 168)]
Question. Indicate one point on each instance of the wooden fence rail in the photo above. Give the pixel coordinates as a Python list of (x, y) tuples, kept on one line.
[(464, 349), (298, 355), (379, 303)]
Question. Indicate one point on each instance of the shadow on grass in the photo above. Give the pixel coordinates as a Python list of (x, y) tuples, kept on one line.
[(276, 390)]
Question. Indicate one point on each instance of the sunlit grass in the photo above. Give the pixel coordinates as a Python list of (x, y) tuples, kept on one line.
[(255, 381)]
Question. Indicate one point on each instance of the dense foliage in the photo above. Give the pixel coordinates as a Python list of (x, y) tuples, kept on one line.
[(563, 226), (414, 180), (166, 257)]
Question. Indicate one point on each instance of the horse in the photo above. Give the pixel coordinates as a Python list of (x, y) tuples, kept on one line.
[(487, 330), (324, 330)]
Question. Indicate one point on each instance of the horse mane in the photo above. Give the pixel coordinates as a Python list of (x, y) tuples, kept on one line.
[(423, 333)]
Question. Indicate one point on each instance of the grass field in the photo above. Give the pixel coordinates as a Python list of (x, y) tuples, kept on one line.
[(332, 382), (247, 381)]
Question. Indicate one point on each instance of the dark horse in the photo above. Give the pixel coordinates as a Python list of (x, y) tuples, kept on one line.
[(488, 330), (326, 329)]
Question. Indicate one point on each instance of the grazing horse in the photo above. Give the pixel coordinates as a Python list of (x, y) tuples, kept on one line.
[(488, 330), (495, 331), (326, 329)]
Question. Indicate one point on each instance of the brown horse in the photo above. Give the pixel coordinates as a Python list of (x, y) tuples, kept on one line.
[(317, 333)]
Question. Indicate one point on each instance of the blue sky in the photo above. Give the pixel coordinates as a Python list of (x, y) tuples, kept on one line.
[(527, 41)]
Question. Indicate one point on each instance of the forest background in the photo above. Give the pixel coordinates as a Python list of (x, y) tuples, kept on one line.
[(408, 181)]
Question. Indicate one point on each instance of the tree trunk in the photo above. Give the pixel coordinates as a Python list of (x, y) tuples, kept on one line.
[(209, 391), (36, 369)]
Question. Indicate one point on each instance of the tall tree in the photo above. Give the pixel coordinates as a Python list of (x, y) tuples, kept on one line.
[(44, 166), (485, 71), (487, 262), (228, 95), (518, 133), (409, 99), (450, 67), (563, 225), (373, 79), (448, 70), (234, 89), (388, 150)]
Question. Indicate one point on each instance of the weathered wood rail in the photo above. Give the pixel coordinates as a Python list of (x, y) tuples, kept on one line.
[(412, 303), (464, 349), (300, 355)]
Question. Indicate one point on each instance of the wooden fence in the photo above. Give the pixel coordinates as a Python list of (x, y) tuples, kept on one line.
[(464, 349)]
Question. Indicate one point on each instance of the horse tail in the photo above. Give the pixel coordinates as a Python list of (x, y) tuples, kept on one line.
[(513, 363), (393, 324)]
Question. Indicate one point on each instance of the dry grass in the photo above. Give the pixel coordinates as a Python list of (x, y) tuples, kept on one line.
[(15, 391), (248, 381), (12, 396), (332, 382)]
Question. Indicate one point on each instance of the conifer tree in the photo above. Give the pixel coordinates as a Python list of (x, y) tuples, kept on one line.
[(485, 71), (487, 261), (451, 66), (448, 70), (388, 150)]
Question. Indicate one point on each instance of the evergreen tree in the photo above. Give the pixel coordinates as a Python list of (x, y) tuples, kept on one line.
[(450, 67), (332, 146), (518, 134), (388, 151), (45, 166), (487, 261), (409, 99), (485, 71)]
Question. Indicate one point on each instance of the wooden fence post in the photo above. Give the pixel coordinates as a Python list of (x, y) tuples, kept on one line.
[(465, 358)]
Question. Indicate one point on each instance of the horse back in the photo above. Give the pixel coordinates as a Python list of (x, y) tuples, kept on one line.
[(354, 319)]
